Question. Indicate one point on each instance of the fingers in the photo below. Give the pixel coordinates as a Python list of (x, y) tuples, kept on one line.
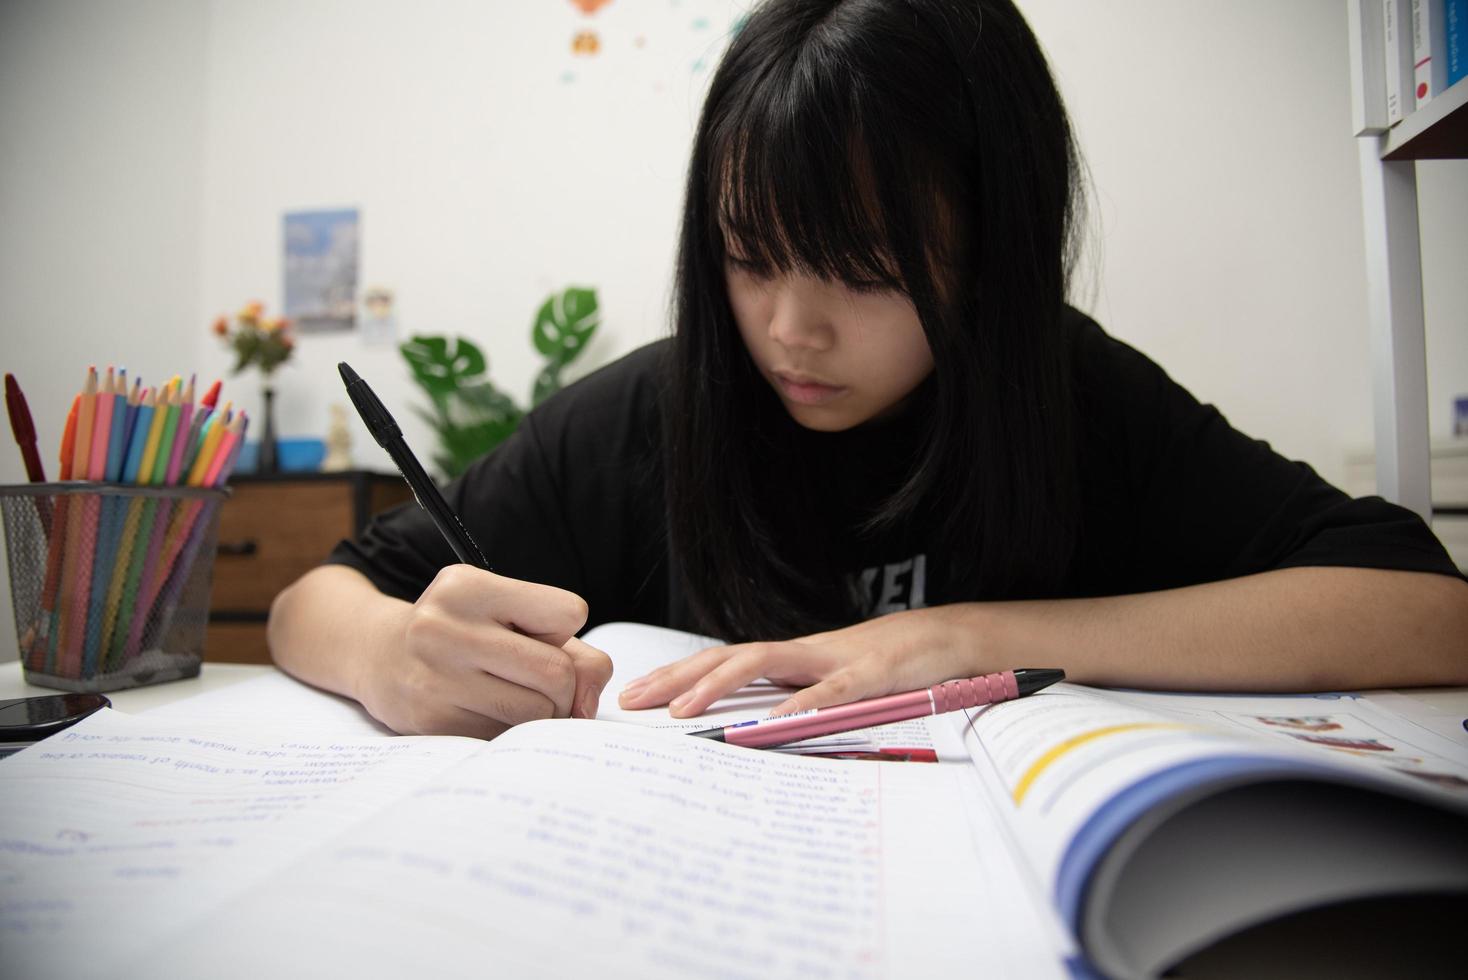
[(842, 687), (593, 669), (425, 699), (671, 680), (540, 611), (729, 676), (497, 647), (689, 686)]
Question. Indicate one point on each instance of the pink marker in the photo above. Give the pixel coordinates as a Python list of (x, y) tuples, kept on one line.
[(1007, 685)]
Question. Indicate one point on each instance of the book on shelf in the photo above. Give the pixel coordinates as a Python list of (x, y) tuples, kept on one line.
[(1455, 45), (1429, 51), (1397, 41), (1073, 831), (1368, 67)]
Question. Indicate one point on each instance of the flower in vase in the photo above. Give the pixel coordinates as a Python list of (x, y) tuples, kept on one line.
[(257, 342)]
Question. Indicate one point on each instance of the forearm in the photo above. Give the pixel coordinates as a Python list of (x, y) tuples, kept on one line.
[(1299, 629), (326, 625)]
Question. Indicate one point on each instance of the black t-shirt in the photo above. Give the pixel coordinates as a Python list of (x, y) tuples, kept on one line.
[(1171, 495)]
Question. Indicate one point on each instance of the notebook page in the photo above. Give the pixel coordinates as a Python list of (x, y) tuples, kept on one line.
[(637, 649), (272, 704), (590, 848), (121, 828), (278, 702)]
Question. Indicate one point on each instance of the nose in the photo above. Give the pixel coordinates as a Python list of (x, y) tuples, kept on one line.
[(799, 318)]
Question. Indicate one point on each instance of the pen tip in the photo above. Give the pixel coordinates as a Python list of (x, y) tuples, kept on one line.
[(1032, 679), (345, 370)]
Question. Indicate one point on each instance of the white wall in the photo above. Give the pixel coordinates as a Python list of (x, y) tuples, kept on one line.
[(151, 146), (491, 166), (101, 180), (1227, 201)]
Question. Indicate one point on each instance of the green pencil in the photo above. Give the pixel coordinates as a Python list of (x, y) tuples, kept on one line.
[(170, 429)]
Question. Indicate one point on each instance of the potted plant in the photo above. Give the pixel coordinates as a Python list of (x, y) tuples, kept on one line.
[(468, 413)]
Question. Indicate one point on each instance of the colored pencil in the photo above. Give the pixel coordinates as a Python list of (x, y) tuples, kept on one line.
[(184, 542), (214, 431), (155, 434), (95, 527), (112, 611), (181, 439), (165, 441), (136, 442), (132, 517), (155, 565), (196, 440), (102, 428), (225, 450), (117, 440), (76, 570), (86, 415)]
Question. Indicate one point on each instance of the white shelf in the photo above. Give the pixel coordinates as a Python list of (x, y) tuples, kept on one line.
[(1437, 131)]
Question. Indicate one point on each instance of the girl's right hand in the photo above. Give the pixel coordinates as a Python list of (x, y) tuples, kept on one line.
[(478, 653)]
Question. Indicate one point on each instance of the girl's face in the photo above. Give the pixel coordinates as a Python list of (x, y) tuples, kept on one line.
[(836, 355)]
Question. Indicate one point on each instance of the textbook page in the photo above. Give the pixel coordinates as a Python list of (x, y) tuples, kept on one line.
[(595, 849), (637, 649), (1056, 758), (121, 828)]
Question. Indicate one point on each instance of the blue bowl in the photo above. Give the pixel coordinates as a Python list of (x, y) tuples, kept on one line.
[(300, 455), (249, 458)]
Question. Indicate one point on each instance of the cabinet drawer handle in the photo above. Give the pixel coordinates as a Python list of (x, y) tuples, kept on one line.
[(245, 547)]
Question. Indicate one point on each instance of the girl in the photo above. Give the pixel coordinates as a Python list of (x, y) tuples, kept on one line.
[(879, 448)]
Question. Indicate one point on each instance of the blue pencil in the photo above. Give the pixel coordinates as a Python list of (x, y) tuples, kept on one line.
[(141, 424), (109, 526), (109, 537), (117, 442)]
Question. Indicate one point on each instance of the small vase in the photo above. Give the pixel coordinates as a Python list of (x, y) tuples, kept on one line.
[(266, 462)]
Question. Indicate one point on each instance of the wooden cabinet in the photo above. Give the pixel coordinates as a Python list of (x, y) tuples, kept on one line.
[(272, 530)]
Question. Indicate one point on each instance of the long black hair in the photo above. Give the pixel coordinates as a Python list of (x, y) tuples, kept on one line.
[(919, 142)]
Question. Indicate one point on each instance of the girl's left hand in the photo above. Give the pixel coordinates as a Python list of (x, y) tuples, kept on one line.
[(901, 651)]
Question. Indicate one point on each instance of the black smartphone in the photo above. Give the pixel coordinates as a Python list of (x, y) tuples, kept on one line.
[(25, 721)]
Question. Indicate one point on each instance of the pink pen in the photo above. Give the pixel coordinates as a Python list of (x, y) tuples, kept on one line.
[(1007, 685)]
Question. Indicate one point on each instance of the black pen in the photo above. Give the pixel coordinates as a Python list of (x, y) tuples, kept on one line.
[(385, 430)]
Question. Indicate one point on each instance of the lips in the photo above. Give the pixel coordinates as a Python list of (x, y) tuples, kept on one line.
[(805, 390)]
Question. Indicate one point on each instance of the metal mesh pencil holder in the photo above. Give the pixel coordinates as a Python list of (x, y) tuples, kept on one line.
[(110, 582)]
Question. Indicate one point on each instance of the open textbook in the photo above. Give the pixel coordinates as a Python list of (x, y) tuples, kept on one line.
[(1076, 829)]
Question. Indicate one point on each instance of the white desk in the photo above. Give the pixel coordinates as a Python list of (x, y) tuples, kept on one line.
[(1444, 710), (138, 699)]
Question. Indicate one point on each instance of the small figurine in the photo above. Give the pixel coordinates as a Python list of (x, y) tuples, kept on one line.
[(338, 442)]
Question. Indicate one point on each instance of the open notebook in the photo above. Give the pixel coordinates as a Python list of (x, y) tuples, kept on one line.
[(1072, 828)]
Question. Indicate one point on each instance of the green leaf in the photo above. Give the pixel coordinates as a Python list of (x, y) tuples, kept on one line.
[(564, 324), (441, 365), (487, 401), (463, 444)]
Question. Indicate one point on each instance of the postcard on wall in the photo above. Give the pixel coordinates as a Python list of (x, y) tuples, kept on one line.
[(321, 269)]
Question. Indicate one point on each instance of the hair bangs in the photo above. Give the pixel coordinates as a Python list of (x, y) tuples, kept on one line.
[(796, 183)]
